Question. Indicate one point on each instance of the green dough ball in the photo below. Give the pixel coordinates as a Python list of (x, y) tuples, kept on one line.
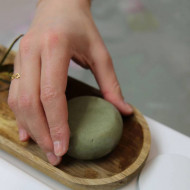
[(96, 127)]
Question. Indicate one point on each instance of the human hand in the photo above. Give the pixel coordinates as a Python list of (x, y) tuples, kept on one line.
[(61, 30)]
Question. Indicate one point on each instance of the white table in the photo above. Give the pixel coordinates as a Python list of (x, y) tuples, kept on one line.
[(22, 176)]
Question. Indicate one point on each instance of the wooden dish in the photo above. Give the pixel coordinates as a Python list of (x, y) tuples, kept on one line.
[(109, 172)]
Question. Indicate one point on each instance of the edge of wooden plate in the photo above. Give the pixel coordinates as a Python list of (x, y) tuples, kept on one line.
[(69, 180)]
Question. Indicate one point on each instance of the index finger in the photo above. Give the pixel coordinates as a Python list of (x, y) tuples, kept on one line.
[(106, 77)]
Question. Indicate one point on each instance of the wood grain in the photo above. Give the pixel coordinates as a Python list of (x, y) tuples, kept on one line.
[(109, 172)]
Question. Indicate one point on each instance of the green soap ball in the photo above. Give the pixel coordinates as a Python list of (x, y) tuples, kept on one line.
[(96, 127)]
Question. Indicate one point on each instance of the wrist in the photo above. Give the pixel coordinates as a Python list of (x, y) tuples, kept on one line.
[(88, 2)]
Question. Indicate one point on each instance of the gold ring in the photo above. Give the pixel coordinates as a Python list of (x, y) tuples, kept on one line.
[(15, 76)]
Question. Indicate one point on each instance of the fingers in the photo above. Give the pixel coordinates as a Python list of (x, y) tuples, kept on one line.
[(23, 134), (12, 101), (53, 85), (29, 103), (107, 80)]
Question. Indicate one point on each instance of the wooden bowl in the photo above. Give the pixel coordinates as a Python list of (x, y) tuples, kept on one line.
[(109, 172)]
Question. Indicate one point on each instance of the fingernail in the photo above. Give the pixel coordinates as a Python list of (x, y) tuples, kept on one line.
[(52, 158), (58, 148), (129, 108), (22, 134)]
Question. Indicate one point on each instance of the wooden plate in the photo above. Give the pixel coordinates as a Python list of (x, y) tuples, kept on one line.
[(109, 172)]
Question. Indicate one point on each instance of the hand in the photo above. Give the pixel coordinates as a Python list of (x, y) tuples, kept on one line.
[(61, 30)]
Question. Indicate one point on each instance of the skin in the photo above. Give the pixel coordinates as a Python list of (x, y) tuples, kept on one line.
[(61, 30)]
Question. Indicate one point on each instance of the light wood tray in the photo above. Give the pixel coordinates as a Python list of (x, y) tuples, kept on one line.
[(109, 172)]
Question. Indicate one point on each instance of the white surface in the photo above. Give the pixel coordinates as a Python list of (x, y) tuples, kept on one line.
[(14, 178), (167, 171), (164, 141)]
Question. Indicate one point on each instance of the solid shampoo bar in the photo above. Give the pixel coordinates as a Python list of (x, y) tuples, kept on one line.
[(96, 127)]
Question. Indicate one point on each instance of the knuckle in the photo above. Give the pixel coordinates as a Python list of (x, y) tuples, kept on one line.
[(113, 92), (48, 93), (25, 101), (26, 44), (50, 39), (116, 86), (56, 131), (44, 143)]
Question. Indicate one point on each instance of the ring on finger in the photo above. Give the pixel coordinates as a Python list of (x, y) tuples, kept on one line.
[(15, 76)]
